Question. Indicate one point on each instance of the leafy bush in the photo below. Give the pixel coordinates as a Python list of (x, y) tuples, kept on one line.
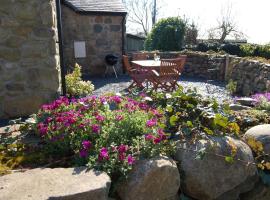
[(204, 47), (192, 117), (264, 51), (167, 35), (233, 49), (76, 86), (107, 133), (248, 49), (231, 86)]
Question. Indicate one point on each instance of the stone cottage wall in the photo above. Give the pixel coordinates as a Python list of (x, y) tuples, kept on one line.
[(29, 61), (102, 36)]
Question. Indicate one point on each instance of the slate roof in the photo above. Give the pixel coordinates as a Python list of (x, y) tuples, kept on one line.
[(97, 6)]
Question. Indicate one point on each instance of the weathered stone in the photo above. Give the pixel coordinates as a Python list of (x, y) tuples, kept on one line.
[(260, 133), (246, 101), (9, 54), (99, 19), (154, 179), (259, 192), (238, 107), (108, 20), (15, 41), (58, 183), (115, 28), (98, 28), (101, 42), (212, 177), (15, 86)]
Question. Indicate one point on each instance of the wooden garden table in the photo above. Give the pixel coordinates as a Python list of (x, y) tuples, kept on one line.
[(147, 64)]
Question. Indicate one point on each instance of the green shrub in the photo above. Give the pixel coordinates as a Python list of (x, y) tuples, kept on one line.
[(76, 86), (167, 35), (231, 86), (248, 49), (264, 51), (233, 49)]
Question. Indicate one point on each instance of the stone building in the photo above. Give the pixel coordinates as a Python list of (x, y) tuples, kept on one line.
[(91, 30), (29, 56)]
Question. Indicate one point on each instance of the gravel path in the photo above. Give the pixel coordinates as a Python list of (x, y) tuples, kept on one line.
[(213, 89)]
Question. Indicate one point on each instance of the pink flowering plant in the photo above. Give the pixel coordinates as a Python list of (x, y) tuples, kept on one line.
[(108, 133)]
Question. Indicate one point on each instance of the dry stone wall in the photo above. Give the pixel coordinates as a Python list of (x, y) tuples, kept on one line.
[(102, 35), (251, 76), (29, 61)]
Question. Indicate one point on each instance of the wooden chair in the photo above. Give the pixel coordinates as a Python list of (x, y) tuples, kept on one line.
[(168, 75), (138, 76), (140, 56)]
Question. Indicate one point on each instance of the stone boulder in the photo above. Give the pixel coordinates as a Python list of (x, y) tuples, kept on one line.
[(58, 183), (260, 133), (153, 179), (259, 192), (212, 177), (246, 101), (238, 107)]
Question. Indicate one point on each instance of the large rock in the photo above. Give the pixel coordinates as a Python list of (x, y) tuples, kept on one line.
[(260, 133), (246, 101), (154, 179), (59, 183), (212, 177), (259, 192)]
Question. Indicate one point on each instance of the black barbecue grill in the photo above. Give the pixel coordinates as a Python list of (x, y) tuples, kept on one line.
[(111, 60)]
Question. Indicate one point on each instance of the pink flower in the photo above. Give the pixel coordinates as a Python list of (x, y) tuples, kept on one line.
[(156, 113), (119, 117), (95, 128), (121, 156), (117, 99), (83, 153), (130, 159), (103, 100), (122, 148), (143, 106), (157, 140), (48, 120), (162, 135), (151, 122), (103, 154), (149, 137), (43, 129), (86, 144), (100, 118)]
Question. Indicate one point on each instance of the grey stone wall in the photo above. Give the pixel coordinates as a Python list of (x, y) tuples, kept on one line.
[(251, 76), (29, 62), (102, 36)]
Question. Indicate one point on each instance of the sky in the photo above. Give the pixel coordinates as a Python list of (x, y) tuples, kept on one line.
[(251, 16)]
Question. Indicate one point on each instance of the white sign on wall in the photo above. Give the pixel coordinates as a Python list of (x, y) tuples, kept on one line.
[(79, 49)]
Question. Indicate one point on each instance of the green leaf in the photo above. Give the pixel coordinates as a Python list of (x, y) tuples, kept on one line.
[(169, 108), (220, 120), (229, 159), (189, 123), (208, 131), (173, 120), (215, 105)]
